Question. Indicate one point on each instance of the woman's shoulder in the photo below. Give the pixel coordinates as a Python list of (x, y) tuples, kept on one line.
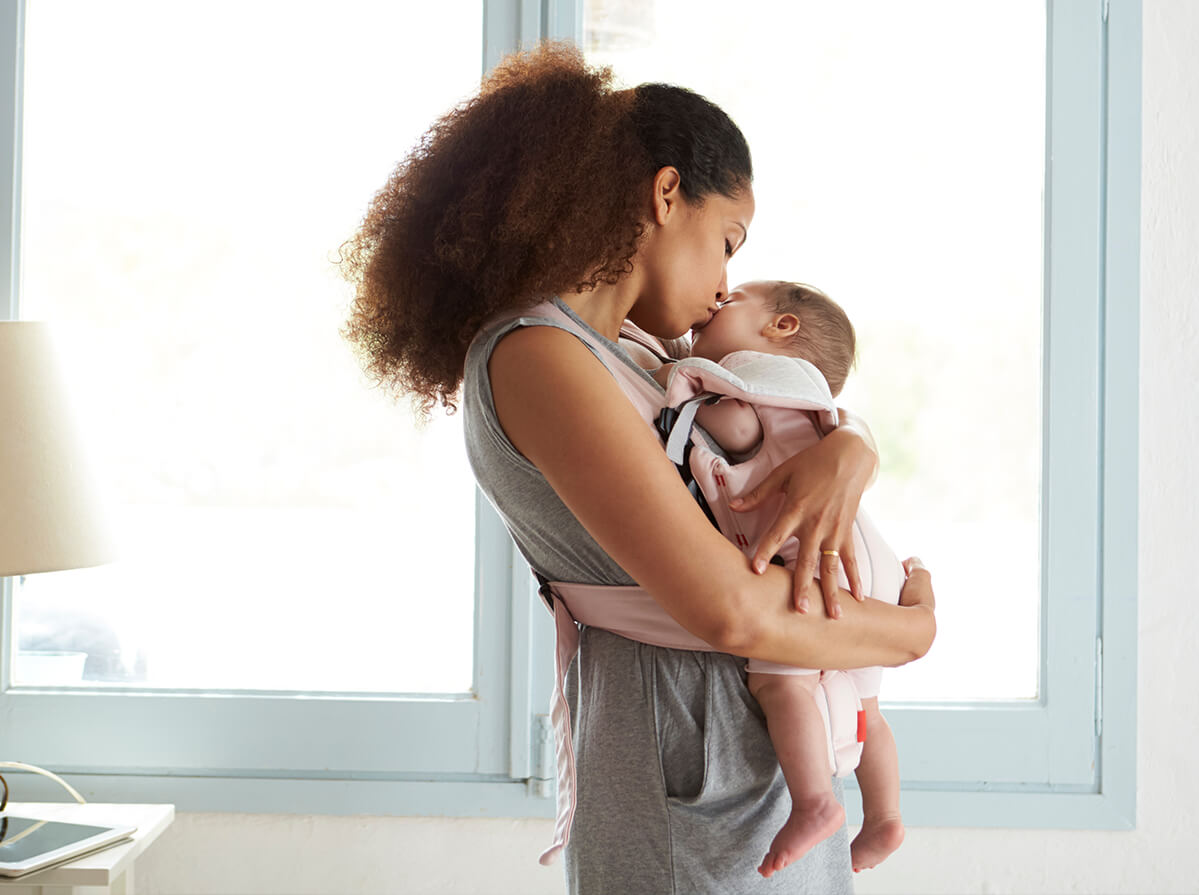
[(533, 356), (550, 341), (540, 327), (548, 535), (536, 350)]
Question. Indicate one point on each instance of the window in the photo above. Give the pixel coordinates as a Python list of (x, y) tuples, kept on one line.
[(914, 200), (950, 175), (309, 587), (1052, 736), (253, 474)]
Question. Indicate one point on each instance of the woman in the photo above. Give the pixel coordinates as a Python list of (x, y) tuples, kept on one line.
[(623, 204)]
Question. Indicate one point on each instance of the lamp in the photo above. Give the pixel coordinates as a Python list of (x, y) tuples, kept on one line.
[(50, 515)]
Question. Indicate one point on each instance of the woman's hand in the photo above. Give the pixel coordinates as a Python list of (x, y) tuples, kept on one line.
[(822, 486), (918, 592), (918, 588)]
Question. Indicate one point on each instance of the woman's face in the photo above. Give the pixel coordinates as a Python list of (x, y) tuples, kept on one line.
[(685, 262)]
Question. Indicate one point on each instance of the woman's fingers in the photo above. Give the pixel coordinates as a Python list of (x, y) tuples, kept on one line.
[(784, 524), (809, 523), (819, 502), (830, 565), (849, 562), (805, 570), (832, 560), (768, 486)]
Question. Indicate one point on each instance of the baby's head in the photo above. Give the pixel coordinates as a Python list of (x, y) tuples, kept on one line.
[(777, 317)]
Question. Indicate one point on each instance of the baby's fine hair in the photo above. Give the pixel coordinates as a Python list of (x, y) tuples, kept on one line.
[(825, 338)]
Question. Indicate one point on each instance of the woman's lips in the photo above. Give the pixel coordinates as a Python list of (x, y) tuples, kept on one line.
[(698, 326)]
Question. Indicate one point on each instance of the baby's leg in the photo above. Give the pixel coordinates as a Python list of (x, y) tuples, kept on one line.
[(798, 733), (878, 778)]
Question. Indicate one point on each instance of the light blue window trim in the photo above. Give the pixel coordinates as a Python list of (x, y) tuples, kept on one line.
[(1066, 759)]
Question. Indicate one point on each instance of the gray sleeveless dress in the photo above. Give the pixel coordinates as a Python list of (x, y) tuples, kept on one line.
[(679, 790)]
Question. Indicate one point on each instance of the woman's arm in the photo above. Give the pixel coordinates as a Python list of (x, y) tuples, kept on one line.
[(566, 414), (851, 422)]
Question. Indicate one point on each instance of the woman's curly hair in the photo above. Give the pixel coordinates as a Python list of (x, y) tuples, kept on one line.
[(534, 186)]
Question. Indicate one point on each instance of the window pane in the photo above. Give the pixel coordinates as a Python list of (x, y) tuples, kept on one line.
[(189, 172), (899, 166)]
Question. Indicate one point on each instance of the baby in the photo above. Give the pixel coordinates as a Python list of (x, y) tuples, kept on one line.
[(793, 320)]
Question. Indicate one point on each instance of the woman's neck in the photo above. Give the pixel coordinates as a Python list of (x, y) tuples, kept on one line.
[(605, 307)]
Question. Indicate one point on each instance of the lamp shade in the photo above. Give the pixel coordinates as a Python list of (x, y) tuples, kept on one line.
[(50, 515)]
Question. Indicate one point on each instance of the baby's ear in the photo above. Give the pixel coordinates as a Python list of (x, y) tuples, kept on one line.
[(783, 326)]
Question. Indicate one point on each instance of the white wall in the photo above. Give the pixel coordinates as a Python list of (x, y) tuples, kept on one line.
[(272, 855)]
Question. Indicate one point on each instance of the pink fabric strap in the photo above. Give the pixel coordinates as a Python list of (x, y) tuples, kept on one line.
[(566, 645), (578, 603), (627, 611)]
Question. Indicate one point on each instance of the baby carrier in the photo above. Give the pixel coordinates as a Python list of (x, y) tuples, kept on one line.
[(630, 611)]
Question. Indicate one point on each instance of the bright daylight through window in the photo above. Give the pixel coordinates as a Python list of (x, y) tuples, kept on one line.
[(869, 157), (282, 527), (285, 528)]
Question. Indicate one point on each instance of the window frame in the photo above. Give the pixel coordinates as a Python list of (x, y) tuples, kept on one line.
[(1075, 767), (480, 753), (1067, 758)]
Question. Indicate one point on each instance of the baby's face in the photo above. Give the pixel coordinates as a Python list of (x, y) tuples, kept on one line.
[(739, 325)]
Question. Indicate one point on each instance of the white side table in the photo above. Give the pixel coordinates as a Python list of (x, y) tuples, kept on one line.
[(108, 872)]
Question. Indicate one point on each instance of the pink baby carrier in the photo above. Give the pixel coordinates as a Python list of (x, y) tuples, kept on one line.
[(630, 611), (792, 401)]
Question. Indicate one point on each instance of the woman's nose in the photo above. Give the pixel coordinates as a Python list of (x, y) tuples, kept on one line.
[(722, 290)]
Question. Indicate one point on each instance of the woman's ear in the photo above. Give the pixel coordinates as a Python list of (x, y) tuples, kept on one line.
[(667, 194), (784, 326)]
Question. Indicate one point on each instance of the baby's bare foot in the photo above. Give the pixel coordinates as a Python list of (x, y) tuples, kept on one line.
[(812, 820), (877, 839)]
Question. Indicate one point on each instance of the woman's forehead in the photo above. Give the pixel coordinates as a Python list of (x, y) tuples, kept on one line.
[(740, 207)]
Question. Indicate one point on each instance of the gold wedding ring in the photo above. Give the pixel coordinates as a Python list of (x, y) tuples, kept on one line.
[(830, 553)]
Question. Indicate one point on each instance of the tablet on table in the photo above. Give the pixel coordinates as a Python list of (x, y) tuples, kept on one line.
[(28, 843)]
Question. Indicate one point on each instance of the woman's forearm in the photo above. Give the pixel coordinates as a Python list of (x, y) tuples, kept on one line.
[(765, 626)]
